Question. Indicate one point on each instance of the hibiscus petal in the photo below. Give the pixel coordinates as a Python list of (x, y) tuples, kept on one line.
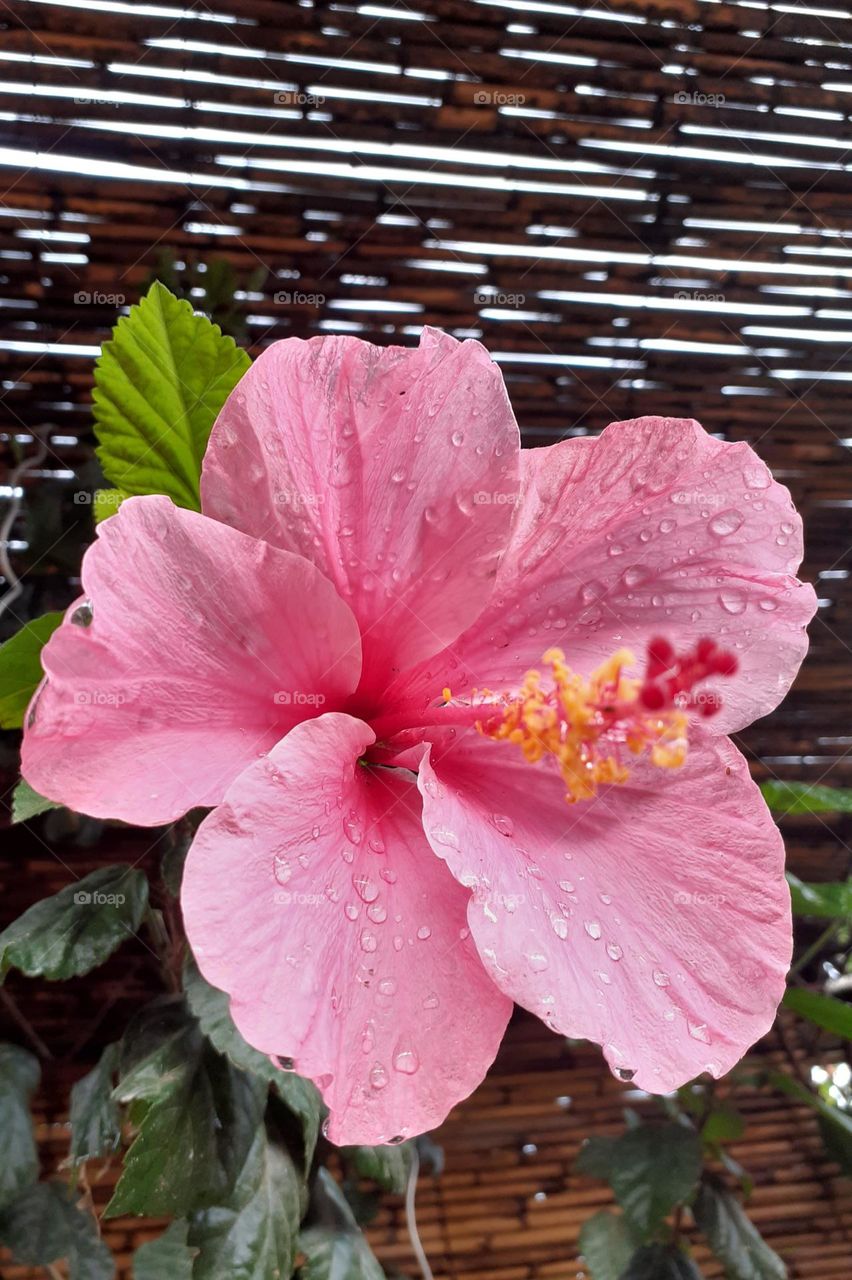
[(312, 897), (652, 528), (653, 919), (203, 647), (395, 470)]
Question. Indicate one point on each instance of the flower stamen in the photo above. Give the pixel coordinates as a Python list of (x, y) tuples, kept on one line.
[(588, 724)]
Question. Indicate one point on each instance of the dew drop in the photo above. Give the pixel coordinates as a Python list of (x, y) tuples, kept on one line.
[(377, 913), (424, 932), (634, 576), (286, 1064), (666, 525), (537, 961), (625, 1073), (757, 476), (726, 523), (698, 1031), (592, 928), (398, 942), (503, 824), (457, 438), (445, 837), (405, 1060), (350, 911), (388, 875), (387, 986), (83, 614), (733, 600), (368, 940), (378, 1077), (768, 604), (614, 951), (431, 1002), (281, 869), (566, 886), (352, 827), (661, 978), (366, 888), (560, 926)]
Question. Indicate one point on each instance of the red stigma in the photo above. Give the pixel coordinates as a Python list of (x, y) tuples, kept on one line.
[(670, 677)]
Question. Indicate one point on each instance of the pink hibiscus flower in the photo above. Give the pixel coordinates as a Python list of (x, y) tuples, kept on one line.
[(379, 881)]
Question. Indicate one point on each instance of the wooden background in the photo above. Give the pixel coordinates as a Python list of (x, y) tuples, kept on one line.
[(638, 207)]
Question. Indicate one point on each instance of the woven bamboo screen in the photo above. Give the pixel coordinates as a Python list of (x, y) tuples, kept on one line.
[(640, 207)]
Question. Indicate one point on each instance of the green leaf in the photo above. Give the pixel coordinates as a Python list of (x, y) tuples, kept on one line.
[(837, 1142), (212, 1009), (801, 797), (334, 1247), (20, 668), (733, 1238), (654, 1168), (19, 1076), (159, 385), (661, 1262), (795, 1090), (166, 1258), (253, 1236), (197, 1116), (830, 901), (825, 1011), (388, 1167), (95, 1118), (596, 1157), (45, 1224), (105, 503), (606, 1243), (78, 928), (724, 1124), (27, 803)]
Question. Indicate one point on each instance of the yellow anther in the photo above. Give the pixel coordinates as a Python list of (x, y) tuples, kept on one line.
[(446, 693), (587, 723)]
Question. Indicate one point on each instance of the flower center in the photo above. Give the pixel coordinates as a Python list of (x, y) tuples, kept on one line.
[(590, 724)]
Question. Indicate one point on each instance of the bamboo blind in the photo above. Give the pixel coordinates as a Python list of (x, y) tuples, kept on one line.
[(640, 207)]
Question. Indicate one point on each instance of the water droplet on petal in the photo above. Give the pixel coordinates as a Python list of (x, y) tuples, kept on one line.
[(661, 978), (537, 961), (614, 951), (424, 932), (368, 940), (592, 928), (365, 887), (757, 476), (389, 875), (768, 604), (503, 824), (286, 1064), (698, 1031), (405, 1060), (560, 926), (352, 827), (625, 1073), (733, 600), (457, 438), (83, 614), (445, 837), (378, 1076), (725, 523), (351, 911), (377, 913), (281, 869), (387, 986)]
